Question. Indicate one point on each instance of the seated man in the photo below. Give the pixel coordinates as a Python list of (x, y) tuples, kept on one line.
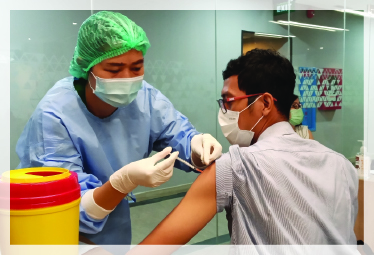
[(277, 188)]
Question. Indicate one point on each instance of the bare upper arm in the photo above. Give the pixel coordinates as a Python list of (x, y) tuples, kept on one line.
[(191, 215)]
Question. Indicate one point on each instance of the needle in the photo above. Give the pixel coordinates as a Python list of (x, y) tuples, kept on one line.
[(186, 163)]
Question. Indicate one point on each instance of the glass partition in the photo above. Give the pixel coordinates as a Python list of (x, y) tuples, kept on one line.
[(327, 53), (318, 61)]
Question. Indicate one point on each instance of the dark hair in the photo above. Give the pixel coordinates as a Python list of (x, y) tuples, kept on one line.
[(294, 97), (261, 71)]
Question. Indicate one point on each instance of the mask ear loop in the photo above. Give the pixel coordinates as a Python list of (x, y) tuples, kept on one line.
[(250, 104), (260, 118), (90, 82), (257, 122)]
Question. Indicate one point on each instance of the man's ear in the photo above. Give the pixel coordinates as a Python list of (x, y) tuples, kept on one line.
[(268, 103)]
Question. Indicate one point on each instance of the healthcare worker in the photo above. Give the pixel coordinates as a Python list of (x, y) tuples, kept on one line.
[(104, 121), (296, 118)]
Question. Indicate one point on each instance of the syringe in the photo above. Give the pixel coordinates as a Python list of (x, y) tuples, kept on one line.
[(188, 164)]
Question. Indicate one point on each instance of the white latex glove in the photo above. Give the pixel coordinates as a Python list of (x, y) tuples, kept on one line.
[(146, 172), (202, 144)]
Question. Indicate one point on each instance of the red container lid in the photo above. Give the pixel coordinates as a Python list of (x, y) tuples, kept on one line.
[(40, 187)]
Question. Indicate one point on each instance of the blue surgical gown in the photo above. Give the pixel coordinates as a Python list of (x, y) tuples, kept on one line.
[(63, 133)]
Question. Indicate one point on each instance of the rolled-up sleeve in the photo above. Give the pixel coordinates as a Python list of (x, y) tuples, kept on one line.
[(45, 142), (224, 183)]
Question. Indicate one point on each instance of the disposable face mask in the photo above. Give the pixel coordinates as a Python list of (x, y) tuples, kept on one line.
[(297, 116), (230, 128), (117, 91)]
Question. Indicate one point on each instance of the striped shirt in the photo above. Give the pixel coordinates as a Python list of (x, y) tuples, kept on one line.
[(287, 190)]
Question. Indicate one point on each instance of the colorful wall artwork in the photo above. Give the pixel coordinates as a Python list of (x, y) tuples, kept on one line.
[(320, 88)]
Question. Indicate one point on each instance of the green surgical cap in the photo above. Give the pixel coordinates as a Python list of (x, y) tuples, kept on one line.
[(105, 35)]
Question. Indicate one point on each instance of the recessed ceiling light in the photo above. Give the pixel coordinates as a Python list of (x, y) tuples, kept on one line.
[(321, 48), (305, 25), (74, 23), (368, 14), (29, 39), (274, 35)]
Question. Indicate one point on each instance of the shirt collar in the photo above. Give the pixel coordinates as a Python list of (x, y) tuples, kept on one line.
[(277, 129)]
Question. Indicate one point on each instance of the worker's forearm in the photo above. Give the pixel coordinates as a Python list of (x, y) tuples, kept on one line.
[(107, 197)]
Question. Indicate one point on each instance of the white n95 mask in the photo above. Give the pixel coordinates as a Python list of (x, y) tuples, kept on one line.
[(117, 91), (230, 128)]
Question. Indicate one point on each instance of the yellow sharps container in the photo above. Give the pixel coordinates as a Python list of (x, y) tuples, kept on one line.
[(43, 205)]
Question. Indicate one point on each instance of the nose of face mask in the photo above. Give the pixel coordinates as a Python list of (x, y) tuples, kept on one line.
[(117, 92)]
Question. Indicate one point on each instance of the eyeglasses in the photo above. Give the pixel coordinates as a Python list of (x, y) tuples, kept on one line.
[(222, 102), (297, 105)]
